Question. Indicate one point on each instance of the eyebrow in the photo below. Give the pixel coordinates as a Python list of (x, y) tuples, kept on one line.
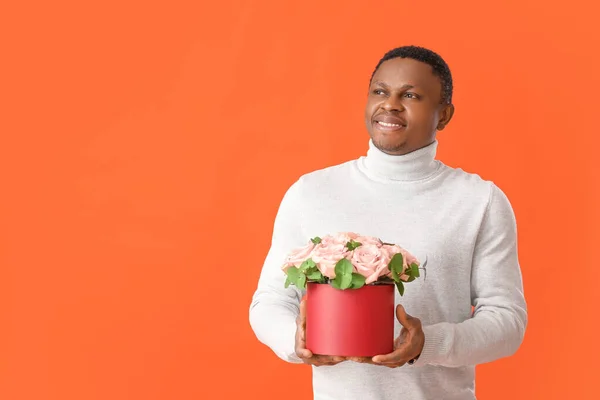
[(405, 86)]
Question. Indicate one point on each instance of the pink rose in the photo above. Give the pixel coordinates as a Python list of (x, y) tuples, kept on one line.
[(339, 238), (298, 256), (326, 255), (371, 261), (406, 257), (369, 240)]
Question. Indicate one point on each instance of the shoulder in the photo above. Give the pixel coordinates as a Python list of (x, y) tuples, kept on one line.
[(323, 177), (316, 181), (486, 192), (472, 183)]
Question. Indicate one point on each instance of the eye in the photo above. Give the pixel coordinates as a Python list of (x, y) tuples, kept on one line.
[(411, 95), (378, 92)]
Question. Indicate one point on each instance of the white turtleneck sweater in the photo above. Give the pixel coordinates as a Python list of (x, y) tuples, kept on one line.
[(471, 304)]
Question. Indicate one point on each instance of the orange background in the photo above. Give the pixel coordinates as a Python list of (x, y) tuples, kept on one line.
[(145, 149)]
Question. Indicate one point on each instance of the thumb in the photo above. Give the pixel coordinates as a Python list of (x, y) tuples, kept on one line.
[(302, 315), (402, 316)]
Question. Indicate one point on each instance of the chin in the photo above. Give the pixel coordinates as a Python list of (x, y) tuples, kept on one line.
[(389, 145)]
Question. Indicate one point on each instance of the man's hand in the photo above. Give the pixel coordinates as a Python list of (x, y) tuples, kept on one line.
[(301, 351), (408, 344)]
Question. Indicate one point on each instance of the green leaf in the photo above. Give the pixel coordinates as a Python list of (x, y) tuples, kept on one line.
[(295, 277), (336, 283), (400, 287), (307, 264), (414, 270), (410, 278), (315, 276), (343, 267), (287, 282), (358, 281), (293, 274), (310, 270), (343, 274), (346, 282), (352, 245), (316, 240), (396, 265), (301, 282)]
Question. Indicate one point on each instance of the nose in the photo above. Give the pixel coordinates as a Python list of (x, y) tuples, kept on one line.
[(393, 103)]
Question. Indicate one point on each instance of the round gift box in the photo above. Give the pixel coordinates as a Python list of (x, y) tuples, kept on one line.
[(351, 322)]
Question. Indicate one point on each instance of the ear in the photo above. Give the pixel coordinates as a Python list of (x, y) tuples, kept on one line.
[(445, 116)]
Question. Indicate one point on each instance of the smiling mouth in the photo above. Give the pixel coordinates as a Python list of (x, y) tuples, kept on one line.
[(388, 126)]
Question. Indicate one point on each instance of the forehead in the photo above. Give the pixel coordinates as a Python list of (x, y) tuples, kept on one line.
[(406, 71)]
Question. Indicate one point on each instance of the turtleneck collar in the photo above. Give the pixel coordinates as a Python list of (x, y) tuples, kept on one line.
[(413, 166)]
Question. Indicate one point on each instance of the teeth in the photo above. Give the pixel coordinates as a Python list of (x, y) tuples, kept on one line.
[(387, 124)]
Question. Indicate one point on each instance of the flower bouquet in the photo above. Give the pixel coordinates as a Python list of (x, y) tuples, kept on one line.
[(349, 281)]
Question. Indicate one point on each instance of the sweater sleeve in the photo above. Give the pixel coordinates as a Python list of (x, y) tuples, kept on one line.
[(274, 308), (498, 324)]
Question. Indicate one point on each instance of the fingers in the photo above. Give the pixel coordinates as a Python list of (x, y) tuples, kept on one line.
[(301, 324), (407, 345), (398, 356), (316, 359), (386, 358), (304, 354), (396, 365), (402, 316), (335, 359), (320, 360), (392, 361), (362, 360), (301, 351), (302, 314)]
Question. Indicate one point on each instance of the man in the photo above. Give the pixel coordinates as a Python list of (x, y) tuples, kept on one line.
[(469, 310)]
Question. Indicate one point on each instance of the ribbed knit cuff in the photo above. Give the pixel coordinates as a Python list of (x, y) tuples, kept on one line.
[(438, 339)]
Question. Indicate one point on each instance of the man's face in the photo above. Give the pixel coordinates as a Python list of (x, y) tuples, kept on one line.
[(404, 107)]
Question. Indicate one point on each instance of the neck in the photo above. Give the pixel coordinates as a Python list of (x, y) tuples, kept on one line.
[(416, 165)]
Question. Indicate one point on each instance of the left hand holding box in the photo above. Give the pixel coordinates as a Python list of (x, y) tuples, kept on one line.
[(407, 346), (301, 351)]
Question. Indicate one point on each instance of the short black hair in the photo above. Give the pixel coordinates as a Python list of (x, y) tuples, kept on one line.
[(440, 68)]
